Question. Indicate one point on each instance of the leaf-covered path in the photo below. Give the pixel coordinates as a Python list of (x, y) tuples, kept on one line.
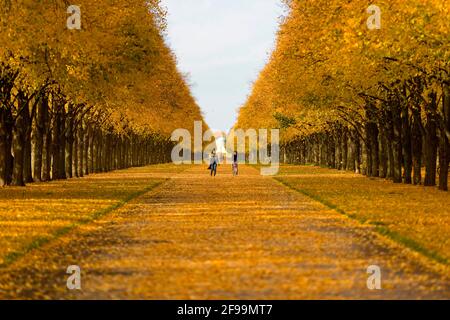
[(197, 237)]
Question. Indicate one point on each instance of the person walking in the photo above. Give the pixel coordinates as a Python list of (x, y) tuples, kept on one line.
[(235, 164), (213, 163)]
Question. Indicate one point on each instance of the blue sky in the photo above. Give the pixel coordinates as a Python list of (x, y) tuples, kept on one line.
[(222, 44)]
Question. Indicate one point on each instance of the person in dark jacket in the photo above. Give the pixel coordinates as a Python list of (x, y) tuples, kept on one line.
[(235, 164), (213, 161)]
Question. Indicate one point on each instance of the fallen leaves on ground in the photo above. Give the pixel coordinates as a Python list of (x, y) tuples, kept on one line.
[(246, 237), (419, 213)]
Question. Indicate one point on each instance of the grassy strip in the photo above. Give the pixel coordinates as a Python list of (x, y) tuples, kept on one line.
[(40, 241), (379, 228)]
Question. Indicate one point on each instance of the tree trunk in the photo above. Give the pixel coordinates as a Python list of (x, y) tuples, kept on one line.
[(18, 143), (9, 123), (55, 148), (87, 148), (444, 143), (351, 165), (416, 146), (38, 143), (338, 148), (406, 145), (444, 156), (3, 146), (373, 160), (38, 137), (62, 142), (365, 157), (98, 151), (47, 157), (27, 165), (331, 151), (92, 149), (47, 152), (383, 152), (397, 143), (431, 143), (345, 149), (69, 140), (374, 150), (390, 150), (75, 151), (357, 153), (81, 149)]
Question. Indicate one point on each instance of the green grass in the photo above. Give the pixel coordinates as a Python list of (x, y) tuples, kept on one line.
[(58, 233), (415, 217)]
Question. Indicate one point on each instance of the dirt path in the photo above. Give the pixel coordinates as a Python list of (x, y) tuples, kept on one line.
[(197, 237)]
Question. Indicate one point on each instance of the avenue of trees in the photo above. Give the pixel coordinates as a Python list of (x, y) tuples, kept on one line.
[(73, 102), (374, 101)]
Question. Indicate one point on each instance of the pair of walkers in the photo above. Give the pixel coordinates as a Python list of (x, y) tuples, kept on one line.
[(214, 162)]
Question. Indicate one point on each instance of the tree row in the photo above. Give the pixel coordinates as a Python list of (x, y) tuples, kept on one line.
[(79, 101), (350, 97)]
